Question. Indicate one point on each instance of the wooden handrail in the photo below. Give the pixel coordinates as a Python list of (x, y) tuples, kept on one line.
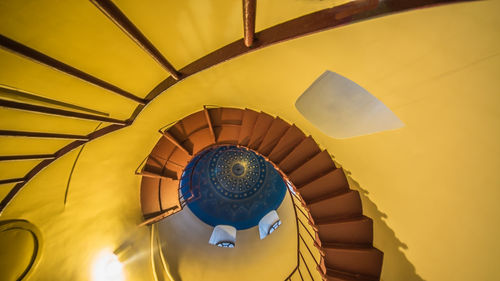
[(108, 8), (58, 112), (10, 133), (44, 59)]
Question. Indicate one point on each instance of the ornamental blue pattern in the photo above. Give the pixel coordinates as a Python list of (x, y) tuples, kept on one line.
[(232, 186), (237, 173)]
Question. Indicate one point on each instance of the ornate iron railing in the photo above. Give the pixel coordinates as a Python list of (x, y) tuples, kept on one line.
[(308, 251)]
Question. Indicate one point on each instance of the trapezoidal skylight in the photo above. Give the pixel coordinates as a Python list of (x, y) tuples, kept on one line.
[(342, 109)]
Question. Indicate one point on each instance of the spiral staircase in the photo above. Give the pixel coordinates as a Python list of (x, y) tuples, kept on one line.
[(342, 234)]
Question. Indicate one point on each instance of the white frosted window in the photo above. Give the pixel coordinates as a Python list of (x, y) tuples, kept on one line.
[(342, 109), (223, 236), (268, 224)]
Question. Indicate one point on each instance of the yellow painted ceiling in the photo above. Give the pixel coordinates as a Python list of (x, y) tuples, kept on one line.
[(431, 187)]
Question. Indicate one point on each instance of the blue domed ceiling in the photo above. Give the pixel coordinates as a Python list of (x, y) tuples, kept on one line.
[(232, 186)]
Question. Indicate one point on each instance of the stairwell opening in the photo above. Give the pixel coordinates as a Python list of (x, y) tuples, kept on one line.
[(334, 239)]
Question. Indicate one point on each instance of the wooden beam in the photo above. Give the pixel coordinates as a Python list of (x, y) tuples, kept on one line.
[(27, 157), (13, 192), (17, 94), (10, 133), (119, 18), (171, 138), (311, 23), (325, 19), (210, 127), (36, 56), (249, 10), (58, 112), (16, 180)]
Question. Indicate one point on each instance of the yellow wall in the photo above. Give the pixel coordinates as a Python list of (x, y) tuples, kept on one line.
[(191, 258), (431, 186)]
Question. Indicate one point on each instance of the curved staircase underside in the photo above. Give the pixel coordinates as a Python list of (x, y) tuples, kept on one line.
[(343, 234)]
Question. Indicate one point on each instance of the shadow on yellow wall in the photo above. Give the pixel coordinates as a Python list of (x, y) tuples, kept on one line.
[(396, 266)]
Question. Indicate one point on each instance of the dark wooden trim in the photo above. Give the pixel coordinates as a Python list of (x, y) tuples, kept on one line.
[(308, 249), (311, 23), (10, 133), (99, 133), (249, 11), (210, 127), (148, 174), (66, 192), (35, 55), (13, 93), (27, 157), (58, 112), (163, 214), (300, 273), (119, 18), (171, 138), (15, 180), (297, 231), (106, 130), (308, 24), (307, 267)]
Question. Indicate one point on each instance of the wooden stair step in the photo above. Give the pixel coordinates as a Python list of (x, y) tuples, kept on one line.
[(209, 123), (174, 167), (155, 164), (332, 182), (150, 201), (305, 150), (201, 139), (164, 148), (343, 205), (178, 132), (292, 137), (247, 125), (337, 275), (179, 157), (358, 230), (169, 194), (163, 168), (273, 135), (224, 115), (365, 261), (312, 169), (183, 144), (193, 123), (260, 129), (227, 133)]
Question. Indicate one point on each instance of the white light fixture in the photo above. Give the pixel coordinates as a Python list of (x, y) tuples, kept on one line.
[(268, 224), (223, 236), (341, 108), (107, 267)]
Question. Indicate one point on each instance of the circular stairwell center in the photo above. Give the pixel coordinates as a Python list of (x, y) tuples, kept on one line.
[(220, 136)]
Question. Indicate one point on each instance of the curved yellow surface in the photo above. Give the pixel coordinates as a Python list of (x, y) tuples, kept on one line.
[(431, 187), (21, 245)]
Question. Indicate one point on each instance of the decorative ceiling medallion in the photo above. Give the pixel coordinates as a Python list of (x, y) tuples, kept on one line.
[(232, 186), (237, 173)]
